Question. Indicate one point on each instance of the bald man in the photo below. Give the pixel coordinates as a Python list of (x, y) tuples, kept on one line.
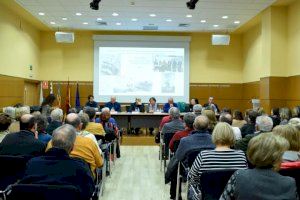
[(169, 105), (25, 141), (113, 105)]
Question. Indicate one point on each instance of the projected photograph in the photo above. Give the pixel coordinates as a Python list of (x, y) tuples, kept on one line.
[(144, 86), (168, 85), (110, 65), (164, 63)]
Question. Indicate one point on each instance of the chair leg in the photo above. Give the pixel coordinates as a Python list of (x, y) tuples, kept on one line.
[(178, 182)]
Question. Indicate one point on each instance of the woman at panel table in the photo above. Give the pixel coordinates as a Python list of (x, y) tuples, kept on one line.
[(137, 106)]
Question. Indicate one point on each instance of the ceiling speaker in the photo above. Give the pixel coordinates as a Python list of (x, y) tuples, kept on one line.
[(64, 37), (220, 39)]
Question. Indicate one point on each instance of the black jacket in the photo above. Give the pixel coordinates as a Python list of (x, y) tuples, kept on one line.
[(21, 143), (52, 126), (248, 129), (57, 168)]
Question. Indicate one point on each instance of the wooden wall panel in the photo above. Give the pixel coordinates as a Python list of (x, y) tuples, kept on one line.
[(12, 91)]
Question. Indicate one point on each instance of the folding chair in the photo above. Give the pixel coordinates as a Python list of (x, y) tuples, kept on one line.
[(294, 173)]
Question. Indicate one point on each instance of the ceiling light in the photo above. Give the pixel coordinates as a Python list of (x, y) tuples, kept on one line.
[(152, 15), (203, 21), (85, 23), (168, 20), (225, 17), (78, 14), (237, 22), (216, 25), (118, 23), (52, 23), (134, 19), (189, 16), (99, 19), (64, 18), (41, 13), (115, 14)]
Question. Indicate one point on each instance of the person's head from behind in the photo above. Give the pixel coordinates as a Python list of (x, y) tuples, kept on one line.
[(57, 115), (152, 101), (252, 115), (113, 99), (105, 114), (296, 112), (226, 110), (194, 101), (226, 117), (5, 121), (275, 112), (189, 119), (285, 114), (28, 123), (174, 113), (291, 134), (49, 100), (197, 109), (266, 150), (64, 137), (295, 122), (90, 112), (90, 98), (238, 115), (201, 123), (261, 111), (211, 100), (170, 100), (84, 118), (223, 135), (211, 117), (41, 122), (264, 123), (74, 120)]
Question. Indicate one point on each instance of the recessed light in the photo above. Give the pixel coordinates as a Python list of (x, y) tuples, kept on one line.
[(225, 17), (64, 18), (216, 25), (115, 14), (134, 19), (78, 14), (152, 15), (189, 16), (237, 22), (85, 23), (118, 23), (99, 19), (52, 23), (168, 20), (41, 13), (203, 21)]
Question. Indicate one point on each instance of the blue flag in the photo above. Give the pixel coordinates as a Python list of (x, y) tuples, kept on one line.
[(77, 103)]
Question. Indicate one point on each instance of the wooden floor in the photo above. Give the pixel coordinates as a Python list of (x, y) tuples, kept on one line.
[(137, 176)]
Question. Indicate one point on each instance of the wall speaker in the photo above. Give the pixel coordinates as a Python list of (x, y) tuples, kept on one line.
[(220, 39), (64, 37)]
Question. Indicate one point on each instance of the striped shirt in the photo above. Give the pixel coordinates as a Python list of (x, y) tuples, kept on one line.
[(215, 160)]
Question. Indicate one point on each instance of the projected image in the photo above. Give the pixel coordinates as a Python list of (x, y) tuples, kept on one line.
[(145, 86), (110, 65), (168, 85), (168, 63)]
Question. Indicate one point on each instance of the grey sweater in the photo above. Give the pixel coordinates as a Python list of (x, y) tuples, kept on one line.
[(260, 184)]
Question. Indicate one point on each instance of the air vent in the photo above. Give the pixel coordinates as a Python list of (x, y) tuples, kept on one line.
[(183, 25), (101, 23), (150, 28)]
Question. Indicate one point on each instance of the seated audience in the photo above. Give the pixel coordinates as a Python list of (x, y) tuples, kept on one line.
[(42, 123), (91, 103), (197, 109), (263, 182), (296, 112), (93, 127), (295, 122), (105, 118), (47, 105), (24, 142), (5, 122), (188, 119), (193, 102), (169, 105), (152, 106), (275, 116), (249, 128), (165, 119), (238, 119), (57, 168), (84, 147), (261, 111), (226, 110), (263, 124), (212, 119), (212, 104), (137, 106), (56, 120), (113, 105), (221, 158), (291, 157), (285, 115), (226, 117)]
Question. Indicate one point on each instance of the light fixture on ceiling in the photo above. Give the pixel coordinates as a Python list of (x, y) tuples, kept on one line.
[(134, 19), (225, 17), (85, 23), (95, 4), (115, 14), (152, 15), (118, 23), (189, 16), (168, 20), (203, 21), (215, 25), (78, 14), (191, 4), (99, 19), (52, 23), (41, 13), (64, 18), (237, 22)]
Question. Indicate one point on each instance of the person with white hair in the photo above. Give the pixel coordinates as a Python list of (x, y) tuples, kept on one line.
[(197, 109), (113, 105), (56, 120), (169, 105)]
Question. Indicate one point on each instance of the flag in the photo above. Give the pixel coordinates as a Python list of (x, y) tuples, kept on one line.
[(58, 95), (41, 94), (51, 87), (68, 98), (77, 104)]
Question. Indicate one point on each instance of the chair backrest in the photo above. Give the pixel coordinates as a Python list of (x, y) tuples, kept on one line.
[(176, 145), (294, 173), (42, 192), (191, 157), (212, 183), (12, 169)]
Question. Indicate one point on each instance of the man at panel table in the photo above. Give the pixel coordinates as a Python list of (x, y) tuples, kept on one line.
[(113, 105), (169, 105)]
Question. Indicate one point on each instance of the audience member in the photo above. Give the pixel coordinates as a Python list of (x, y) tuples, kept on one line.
[(295, 122), (91, 103), (113, 105), (57, 168), (261, 111), (24, 142), (93, 127), (291, 157), (137, 106), (263, 124), (165, 119), (249, 128), (197, 109), (226, 110), (212, 119), (296, 112), (226, 117), (169, 105), (285, 115), (238, 119), (212, 104), (47, 105), (222, 157), (188, 119), (152, 106), (5, 122), (42, 123), (193, 101), (263, 182), (105, 118), (56, 120), (275, 116)]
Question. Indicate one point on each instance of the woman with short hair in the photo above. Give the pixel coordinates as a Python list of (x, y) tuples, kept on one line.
[(212, 119), (263, 182), (285, 115), (238, 119)]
